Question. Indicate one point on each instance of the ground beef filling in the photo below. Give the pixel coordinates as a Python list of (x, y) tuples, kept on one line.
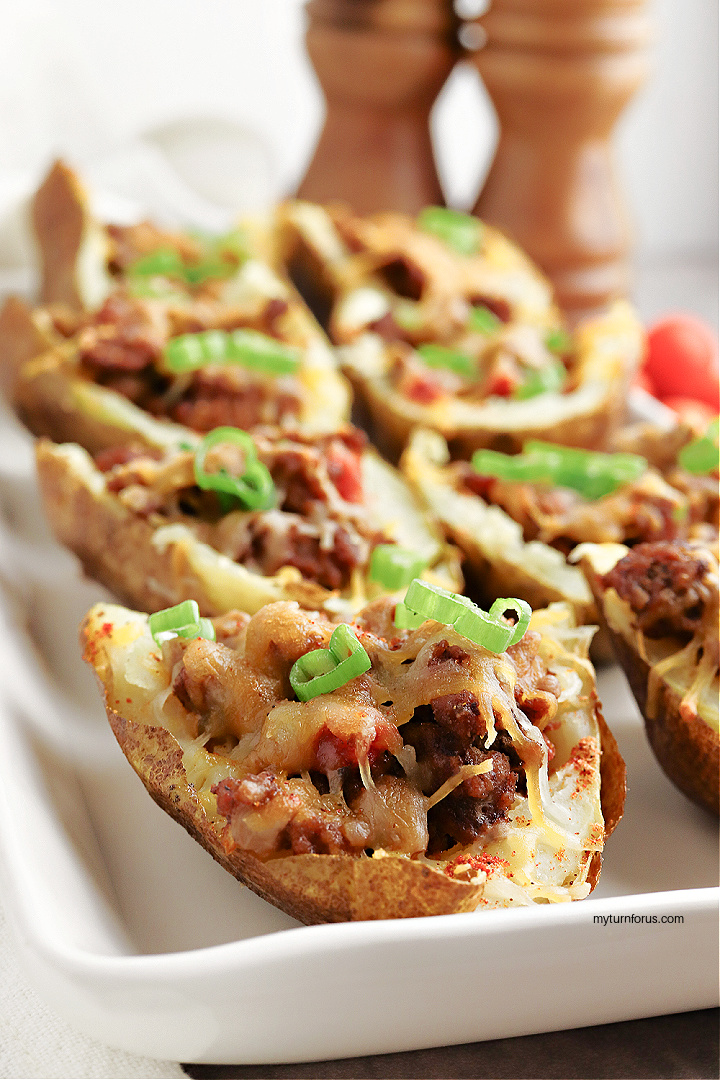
[(121, 344), (318, 525), (445, 734), (563, 518), (666, 586)]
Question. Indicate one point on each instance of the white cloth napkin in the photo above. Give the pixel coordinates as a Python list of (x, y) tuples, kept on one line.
[(195, 172), (34, 1042)]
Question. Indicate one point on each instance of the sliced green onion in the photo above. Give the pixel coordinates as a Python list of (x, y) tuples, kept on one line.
[(405, 619), (434, 602), (438, 356), (407, 314), (483, 320), (183, 620), (489, 629), (153, 288), (545, 380), (507, 466), (523, 613), (558, 341), (255, 489), (165, 262), (479, 627), (461, 232), (394, 566), (168, 262), (235, 243), (197, 273), (253, 350), (701, 455), (324, 670), (591, 473)]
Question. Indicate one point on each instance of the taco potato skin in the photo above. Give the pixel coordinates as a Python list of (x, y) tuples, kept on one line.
[(93, 330), (685, 745), (150, 566), (500, 561), (609, 349), (157, 734), (385, 282)]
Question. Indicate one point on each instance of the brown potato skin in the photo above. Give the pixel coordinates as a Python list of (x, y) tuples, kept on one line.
[(45, 402), (60, 217), (688, 751), (311, 888), (394, 426)]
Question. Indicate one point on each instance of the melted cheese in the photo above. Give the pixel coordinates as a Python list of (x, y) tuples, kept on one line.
[(545, 845)]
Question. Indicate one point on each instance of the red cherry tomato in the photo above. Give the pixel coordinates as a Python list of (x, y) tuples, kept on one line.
[(682, 359)]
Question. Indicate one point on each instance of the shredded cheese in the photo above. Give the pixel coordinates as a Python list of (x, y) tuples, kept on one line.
[(463, 773)]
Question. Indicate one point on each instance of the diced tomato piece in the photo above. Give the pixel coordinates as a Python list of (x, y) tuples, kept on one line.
[(422, 388), (345, 471), (504, 378), (682, 359)]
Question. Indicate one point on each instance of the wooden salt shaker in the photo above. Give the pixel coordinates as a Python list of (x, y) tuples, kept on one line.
[(559, 73), (381, 64)]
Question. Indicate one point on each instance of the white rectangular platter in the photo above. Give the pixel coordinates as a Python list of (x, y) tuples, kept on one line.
[(132, 932)]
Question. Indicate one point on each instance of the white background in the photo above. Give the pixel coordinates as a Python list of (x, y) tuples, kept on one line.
[(81, 77)]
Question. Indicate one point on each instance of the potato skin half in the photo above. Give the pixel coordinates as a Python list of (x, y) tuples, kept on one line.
[(311, 888), (687, 750)]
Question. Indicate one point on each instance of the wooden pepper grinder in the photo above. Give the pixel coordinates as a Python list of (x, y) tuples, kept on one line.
[(559, 73), (381, 64)]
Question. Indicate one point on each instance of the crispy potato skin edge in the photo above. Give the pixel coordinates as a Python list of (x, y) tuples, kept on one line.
[(686, 750)]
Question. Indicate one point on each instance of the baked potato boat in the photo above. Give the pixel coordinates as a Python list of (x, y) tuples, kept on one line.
[(445, 324), (428, 776), (517, 532), (238, 521), (660, 604), (198, 330)]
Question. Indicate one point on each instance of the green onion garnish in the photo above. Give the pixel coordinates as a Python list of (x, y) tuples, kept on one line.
[(434, 602), (259, 352), (438, 356), (197, 273), (589, 472), (394, 566), (324, 670), (407, 314), (168, 262), (558, 340), (183, 620), (489, 629), (405, 619), (254, 489), (483, 320), (545, 380), (165, 262), (700, 456), (461, 232)]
